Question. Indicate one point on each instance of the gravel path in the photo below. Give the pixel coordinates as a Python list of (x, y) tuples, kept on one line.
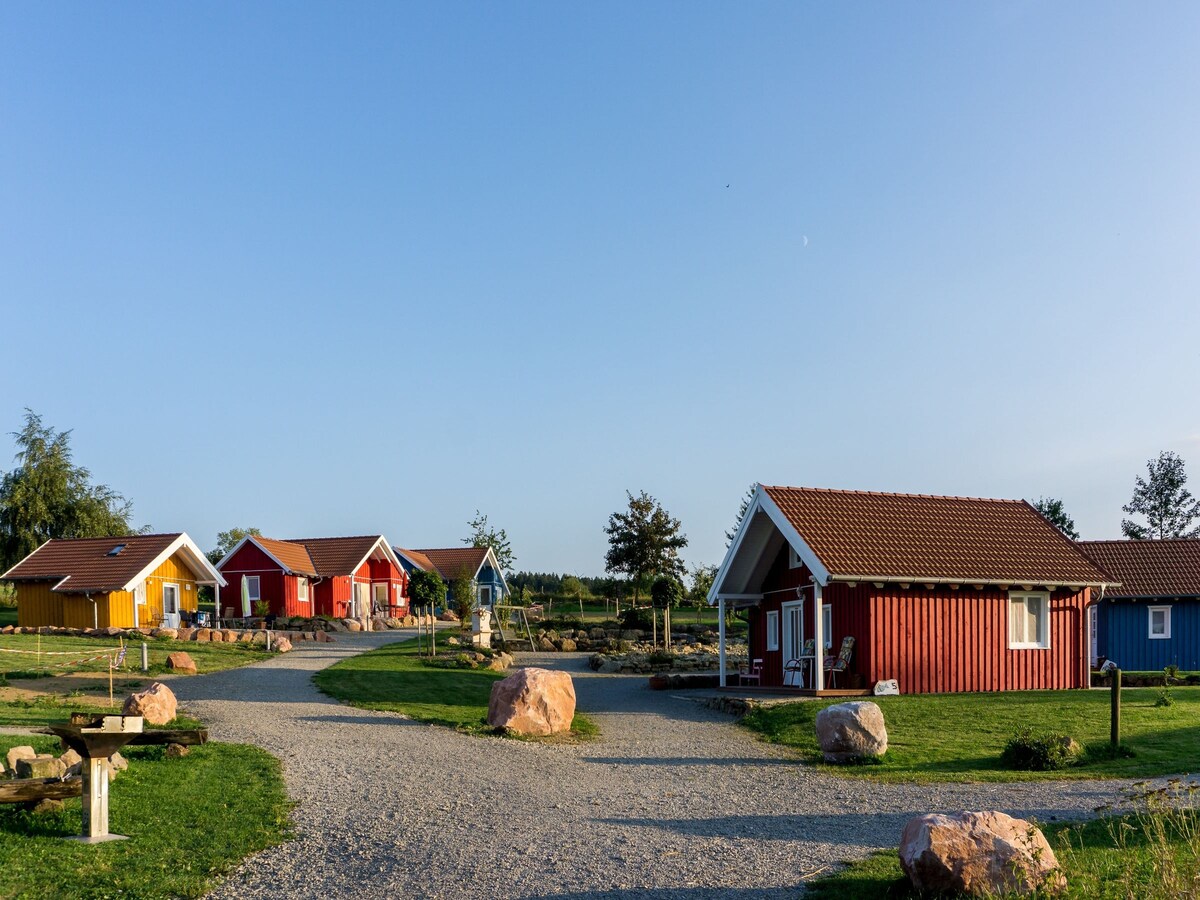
[(672, 800)]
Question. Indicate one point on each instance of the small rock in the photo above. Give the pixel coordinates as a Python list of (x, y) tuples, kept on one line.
[(181, 661), (171, 633), (156, 704), (42, 766), (24, 751), (44, 807), (184, 634), (217, 637), (230, 636), (568, 645), (283, 645), (177, 751), (202, 634)]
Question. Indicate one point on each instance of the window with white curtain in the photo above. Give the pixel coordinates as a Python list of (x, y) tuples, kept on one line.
[(1160, 622), (1028, 621)]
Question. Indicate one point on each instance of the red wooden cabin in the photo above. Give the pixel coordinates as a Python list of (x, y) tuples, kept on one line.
[(343, 577), (939, 593)]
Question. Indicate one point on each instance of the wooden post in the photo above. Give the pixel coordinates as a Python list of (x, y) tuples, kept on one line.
[(95, 798), (110, 694), (1114, 734), (721, 638)]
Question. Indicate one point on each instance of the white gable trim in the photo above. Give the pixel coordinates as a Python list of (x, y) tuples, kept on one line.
[(250, 538), (761, 501), (198, 562), (387, 549)]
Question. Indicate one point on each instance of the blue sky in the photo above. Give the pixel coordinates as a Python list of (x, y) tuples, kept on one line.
[(347, 268)]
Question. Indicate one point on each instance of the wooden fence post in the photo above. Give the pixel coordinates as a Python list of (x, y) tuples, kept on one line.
[(1114, 735)]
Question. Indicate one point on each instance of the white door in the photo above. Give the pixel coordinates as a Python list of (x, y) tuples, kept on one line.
[(362, 600), (793, 636), (171, 605)]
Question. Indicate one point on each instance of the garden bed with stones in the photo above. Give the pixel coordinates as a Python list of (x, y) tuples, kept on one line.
[(644, 659)]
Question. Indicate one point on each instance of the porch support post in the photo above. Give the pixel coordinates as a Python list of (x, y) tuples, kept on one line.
[(217, 604), (721, 637), (818, 640)]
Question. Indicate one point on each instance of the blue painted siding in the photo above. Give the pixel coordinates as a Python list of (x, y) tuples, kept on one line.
[(1123, 635)]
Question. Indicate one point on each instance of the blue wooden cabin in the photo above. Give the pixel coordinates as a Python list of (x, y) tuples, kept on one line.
[(1153, 619)]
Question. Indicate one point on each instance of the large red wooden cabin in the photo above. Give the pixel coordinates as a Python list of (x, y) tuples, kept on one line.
[(343, 577), (939, 593)]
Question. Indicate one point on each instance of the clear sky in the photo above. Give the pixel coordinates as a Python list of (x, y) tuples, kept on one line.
[(355, 268)]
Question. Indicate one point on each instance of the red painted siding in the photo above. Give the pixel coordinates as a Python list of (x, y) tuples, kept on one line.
[(930, 640), (941, 641), (280, 590)]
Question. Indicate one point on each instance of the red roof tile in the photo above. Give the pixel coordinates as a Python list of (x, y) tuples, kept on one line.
[(1161, 568), (449, 561), (292, 554), (85, 562), (337, 555), (915, 537), (417, 557)]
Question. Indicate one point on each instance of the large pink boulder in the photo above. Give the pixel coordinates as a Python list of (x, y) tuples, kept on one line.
[(851, 731), (156, 704), (533, 701), (181, 661), (978, 854)]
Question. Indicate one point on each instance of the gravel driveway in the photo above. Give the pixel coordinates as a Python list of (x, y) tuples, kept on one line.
[(672, 800)]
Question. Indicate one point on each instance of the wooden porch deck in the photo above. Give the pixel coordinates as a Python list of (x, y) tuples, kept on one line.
[(782, 691)]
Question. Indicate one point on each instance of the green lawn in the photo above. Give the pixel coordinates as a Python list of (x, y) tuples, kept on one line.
[(53, 709), (1144, 856), (27, 663), (959, 737), (189, 820), (8, 616), (395, 679)]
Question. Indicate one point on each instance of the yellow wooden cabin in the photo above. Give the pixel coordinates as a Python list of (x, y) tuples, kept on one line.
[(143, 580)]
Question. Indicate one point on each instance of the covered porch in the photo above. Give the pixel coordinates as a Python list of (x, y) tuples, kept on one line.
[(770, 578)]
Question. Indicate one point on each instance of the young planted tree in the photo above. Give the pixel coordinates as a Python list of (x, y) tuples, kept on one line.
[(227, 540), (1169, 508), (1053, 511), (48, 496), (425, 590), (573, 587), (462, 596), (643, 540), (666, 593), (702, 582), (483, 535)]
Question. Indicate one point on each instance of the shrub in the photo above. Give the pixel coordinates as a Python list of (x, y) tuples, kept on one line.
[(1030, 752), (262, 609), (1164, 697), (636, 618)]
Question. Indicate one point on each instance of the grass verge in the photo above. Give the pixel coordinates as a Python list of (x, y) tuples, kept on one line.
[(959, 737), (20, 657), (189, 821), (395, 679), (1150, 854), (52, 709)]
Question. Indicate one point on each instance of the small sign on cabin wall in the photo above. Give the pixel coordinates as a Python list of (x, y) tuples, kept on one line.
[(887, 688)]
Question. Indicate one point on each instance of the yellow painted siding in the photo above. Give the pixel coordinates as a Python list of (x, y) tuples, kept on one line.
[(38, 605), (173, 571)]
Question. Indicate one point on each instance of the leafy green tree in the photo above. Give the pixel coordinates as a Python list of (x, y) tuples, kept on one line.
[(666, 592), (1053, 511), (644, 540), (745, 505), (227, 540), (462, 596), (48, 496), (1169, 508), (572, 586), (483, 535), (425, 589), (702, 582)]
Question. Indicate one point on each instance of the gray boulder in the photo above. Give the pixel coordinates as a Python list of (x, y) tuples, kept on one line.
[(851, 731)]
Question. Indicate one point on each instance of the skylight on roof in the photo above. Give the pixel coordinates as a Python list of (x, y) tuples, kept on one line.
[(115, 551)]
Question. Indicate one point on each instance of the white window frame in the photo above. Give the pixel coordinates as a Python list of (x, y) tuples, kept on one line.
[(1166, 611), (253, 589), (794, 560), (827, 625), (1043, 598), (479, 595), (178, 598), (301, 589), (773, 631)]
